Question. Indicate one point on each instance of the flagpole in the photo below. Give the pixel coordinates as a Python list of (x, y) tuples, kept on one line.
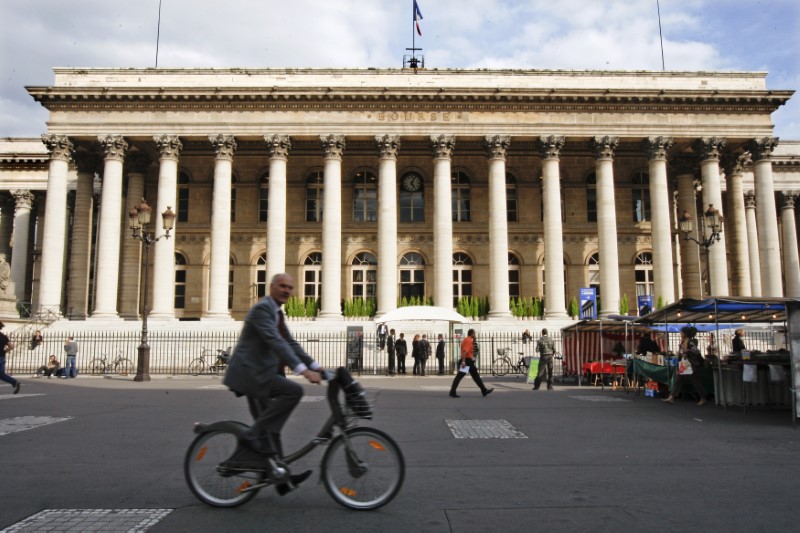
[(158, 31), (413, 32)]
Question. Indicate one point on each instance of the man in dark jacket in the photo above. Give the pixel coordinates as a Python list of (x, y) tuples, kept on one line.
[(402, 350), (440, 354), (547, 349)]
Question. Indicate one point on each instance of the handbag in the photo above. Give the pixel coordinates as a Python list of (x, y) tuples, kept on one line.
[(685, 367)]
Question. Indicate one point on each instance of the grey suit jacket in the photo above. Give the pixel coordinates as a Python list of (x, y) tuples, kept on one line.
[(261, 351)]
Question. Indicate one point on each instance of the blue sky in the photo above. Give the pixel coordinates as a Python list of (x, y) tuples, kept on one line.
[(36, 35)]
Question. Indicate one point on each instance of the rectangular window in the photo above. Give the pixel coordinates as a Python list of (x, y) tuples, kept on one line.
[(513, 283), (314, 205), (365, 205), (183, 204), (233, 205), (180, 289), (511, 204), (230, 289), (412, 207), (263, 204), (591, 205)]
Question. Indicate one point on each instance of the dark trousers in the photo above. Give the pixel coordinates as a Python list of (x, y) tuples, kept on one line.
[(423, 362), (441, 364), (271, 408), (473, 372), (5, 377), (694, 379), (401, 363), (415, 370), (545, 367), (391, 361)]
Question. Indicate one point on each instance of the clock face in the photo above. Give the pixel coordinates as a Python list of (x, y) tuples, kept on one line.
[(412, 183)]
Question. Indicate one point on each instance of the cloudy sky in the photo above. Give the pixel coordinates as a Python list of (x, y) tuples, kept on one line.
[(749, 35)]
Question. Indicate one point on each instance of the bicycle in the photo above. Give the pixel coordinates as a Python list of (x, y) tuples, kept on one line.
[(362, 467), (503, 365), (122, 365), (198, 366)]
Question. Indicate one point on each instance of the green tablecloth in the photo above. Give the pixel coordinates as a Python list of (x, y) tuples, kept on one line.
[(666, 374)]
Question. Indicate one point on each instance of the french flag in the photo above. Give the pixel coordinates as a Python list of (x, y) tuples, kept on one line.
[(417, 17)]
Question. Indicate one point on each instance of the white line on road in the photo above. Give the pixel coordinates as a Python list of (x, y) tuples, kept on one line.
[(17, 396), (21, 423)]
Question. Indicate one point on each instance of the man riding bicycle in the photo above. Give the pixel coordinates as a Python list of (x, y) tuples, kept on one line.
[(256, 370)]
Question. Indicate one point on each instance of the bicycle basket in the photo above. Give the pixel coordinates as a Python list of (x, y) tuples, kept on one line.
[(354, 395)]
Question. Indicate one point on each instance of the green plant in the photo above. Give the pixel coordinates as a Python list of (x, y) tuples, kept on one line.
[(536, 307), (573, 308), (623, 304), (660, 303)]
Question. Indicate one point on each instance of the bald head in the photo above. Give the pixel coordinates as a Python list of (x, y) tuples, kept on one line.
[(281, 288)]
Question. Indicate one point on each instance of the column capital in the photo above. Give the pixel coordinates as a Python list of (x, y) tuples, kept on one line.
[(497, 146), (657, 147), (683, 165), (278, 146), (224, 146), (762, 148), (443, 145), (604, 146), (550, 146), (750, 200), (59, 146), (734, 164), (23, 198), (114, 146), (332, 145), (709, 148), (789, 198), (169, 146), (137, 162), (87, 162), (388, 145)]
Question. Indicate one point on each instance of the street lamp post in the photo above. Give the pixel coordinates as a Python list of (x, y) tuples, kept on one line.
[(712, 232), (139, 219)]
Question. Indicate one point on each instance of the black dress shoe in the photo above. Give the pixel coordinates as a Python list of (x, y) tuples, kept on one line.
[(454, 395), (487, 392), (294, 482), (16, 387)]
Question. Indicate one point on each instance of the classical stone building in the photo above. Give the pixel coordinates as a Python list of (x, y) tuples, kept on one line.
[(390, 183)]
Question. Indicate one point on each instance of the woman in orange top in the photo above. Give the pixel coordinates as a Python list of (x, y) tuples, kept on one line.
[(469, 349)]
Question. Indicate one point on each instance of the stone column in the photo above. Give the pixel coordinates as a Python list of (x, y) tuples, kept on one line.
[(278, 147), (752, 243), (736, 227), (766, 216), (661, 221), (20, 258), (442, 146), (219, 264), (131, 264), (791, 260), (163, 252), (604, 148), (691, 265), (709, 148), (499, 296), (555, 302), (109, 231), (333, 149), (80, 258), (6, 225), (51, 282), (387, 222)]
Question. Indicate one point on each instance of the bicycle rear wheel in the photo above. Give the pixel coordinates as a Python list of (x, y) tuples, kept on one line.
[(196, 367), (97, 367), (367, 474), (124, 367), (501, 367), (210, 483)]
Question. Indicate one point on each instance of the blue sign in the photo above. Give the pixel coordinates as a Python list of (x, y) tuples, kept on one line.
[(588, 300), (644, 302)]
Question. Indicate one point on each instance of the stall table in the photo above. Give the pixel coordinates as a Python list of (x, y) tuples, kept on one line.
[(735, 391)]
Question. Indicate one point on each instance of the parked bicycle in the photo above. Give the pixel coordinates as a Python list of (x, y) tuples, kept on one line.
[(119, 365), (502, 364), (362, 467), (207, 362)]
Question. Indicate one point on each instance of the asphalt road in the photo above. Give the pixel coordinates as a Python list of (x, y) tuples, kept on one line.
[(590, 460)]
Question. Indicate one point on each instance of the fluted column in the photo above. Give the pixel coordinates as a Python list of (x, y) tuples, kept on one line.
[(499, 296), (131, 263), (766, 216), (604, 148), (219, 264), (333, 149), (442, 146), (387, 222), (51, 281), (23, 202), (163, 252), (752, 243), (709, 149), (661, 225), (278, 147), (109, 232), (691, 265), (736, 227), (80, 257), (555, 301), (791, 260)]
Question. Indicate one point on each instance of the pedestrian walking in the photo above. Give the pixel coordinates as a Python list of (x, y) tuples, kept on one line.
[(440, 354), (467, 365), (6, 346), (402, 350), (547, 349)]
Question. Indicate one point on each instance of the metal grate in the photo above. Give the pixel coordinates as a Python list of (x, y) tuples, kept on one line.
[(484, 429), (91, 520)]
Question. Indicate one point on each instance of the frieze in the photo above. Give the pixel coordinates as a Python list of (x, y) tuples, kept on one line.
[(526, 239), (419, 239), (351, 238), (418, 116)]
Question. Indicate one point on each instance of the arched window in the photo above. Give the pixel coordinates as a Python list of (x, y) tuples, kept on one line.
[(233, 198), (412, 199), (591, 197), (644, 273), (261, 276), (315, 189), (641, 197), (412, 276), (230, 284), (460, 190), (365, 275), (513, 276), (183, 197), (462, 276), (263, 197), (312, 276), (594, 273), (511, 198), (365, 197), (180, 281)]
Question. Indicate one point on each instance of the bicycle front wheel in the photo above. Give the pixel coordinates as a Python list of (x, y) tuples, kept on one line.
[(501, 367), (196, 367), (97, 367), (207, 480), (367, 473), (124, 367)]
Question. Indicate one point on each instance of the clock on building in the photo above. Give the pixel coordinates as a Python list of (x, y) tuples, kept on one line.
[(412, 182)]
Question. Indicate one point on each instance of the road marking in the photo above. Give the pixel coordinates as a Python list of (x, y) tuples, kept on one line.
[(16, 396), (310, 399), (484, 429), (91, 520), (599, 399), (219, 387), (21, 423)]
